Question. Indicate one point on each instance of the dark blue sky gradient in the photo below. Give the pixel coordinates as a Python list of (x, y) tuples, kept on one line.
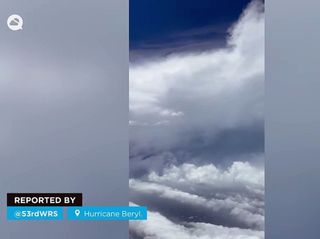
[(154, 21)]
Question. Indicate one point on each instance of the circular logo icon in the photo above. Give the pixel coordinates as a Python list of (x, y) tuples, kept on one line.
[(15, 22)]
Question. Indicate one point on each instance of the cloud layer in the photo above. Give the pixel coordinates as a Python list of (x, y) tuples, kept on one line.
[(188, 193), (159, 227)]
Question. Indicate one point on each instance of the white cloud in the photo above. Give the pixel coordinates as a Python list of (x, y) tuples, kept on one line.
[(159, 227), (239, 174), (233, 196)]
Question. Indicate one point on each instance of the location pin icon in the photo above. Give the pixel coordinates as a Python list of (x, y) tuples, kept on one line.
[(77, 212)]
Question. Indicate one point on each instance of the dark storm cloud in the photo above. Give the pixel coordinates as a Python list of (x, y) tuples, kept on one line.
[(225, 147)]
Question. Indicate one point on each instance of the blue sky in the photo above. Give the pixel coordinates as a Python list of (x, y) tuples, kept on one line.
[(153, 21)]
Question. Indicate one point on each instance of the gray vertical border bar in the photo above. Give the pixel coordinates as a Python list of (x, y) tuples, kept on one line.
[(64, 110), (292, 119)]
